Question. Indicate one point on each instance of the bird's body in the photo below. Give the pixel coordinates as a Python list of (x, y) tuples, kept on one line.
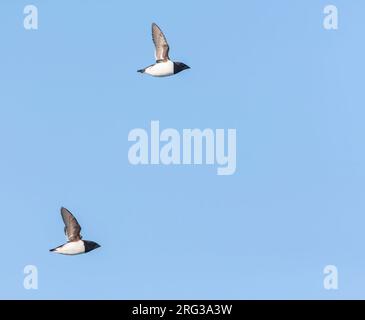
[(163, 67), (160, 69), (75, 245), (71, 248)]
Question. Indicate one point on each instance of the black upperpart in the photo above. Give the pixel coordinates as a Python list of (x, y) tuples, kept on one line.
[(179, 66), (90, 245)]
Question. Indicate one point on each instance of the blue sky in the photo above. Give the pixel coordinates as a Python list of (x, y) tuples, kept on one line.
[(70, 95)]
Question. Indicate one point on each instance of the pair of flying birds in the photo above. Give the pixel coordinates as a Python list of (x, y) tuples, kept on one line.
[(162, 68)]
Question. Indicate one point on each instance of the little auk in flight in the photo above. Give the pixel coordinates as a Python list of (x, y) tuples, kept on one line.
[(164, 66), (74, 245)]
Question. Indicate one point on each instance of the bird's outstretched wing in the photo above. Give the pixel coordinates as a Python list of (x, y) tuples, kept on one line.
[(162, 47), (72, 227)]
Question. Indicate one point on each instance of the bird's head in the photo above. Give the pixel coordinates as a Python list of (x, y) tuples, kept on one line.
[(90, 245), (179, 66)]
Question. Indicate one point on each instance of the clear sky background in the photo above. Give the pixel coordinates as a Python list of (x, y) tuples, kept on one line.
[(70, 94)]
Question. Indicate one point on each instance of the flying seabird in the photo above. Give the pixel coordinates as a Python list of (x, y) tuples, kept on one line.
[(74, 245), (164, 66)]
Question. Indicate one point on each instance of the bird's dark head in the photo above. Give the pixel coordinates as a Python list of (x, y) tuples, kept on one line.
[(90, 245), (179, 66)]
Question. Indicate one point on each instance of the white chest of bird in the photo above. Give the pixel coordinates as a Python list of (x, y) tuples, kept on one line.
[(71, 248), (161, 69)]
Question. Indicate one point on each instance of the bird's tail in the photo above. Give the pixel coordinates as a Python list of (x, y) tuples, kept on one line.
[(141, 70), (54, 249)]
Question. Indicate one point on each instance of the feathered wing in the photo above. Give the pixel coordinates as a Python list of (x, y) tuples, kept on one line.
[(72, 227), (162, 47)]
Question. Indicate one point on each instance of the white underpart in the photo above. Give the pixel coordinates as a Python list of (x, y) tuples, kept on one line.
[(161, 69), (71, 248)]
